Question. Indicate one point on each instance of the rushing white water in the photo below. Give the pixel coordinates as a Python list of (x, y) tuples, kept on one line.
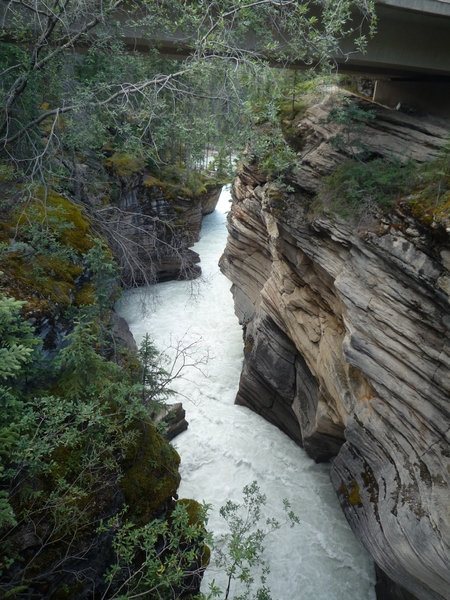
[(227, 447)]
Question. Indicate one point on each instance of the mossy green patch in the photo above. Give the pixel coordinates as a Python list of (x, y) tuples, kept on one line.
[(351, 493), (124, 164), (44, 239), (206, 556), (151, 475), (193, 510), (77, 234), (180, 181), (150, 181), (43, 282), (428, 206), (85, 296)]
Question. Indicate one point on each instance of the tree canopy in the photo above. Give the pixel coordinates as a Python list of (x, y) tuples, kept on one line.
[(68, 77)]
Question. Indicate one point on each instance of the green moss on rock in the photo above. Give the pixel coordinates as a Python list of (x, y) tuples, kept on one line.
[(151, 476), (85, 295), (351, 493), (33, 270), (150, 182), (193, 510), (124, 164)]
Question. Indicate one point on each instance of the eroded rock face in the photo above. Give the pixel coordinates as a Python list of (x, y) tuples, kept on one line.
[(160, 230), (346, 334), (155, 229)]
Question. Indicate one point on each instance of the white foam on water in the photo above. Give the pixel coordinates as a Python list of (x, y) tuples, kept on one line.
[(227, 447)]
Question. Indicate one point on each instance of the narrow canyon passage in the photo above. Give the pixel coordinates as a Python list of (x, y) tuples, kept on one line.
[(228, 446)]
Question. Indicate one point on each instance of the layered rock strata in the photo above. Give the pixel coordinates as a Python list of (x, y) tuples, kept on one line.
[(151, 229), (346, 334), (159, 229)]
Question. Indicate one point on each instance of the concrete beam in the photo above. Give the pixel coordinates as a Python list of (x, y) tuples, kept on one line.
[(431, 7), (412, 40), (415, 96), (409, 43)]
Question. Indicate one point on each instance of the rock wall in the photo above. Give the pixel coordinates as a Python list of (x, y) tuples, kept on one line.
[(154, 229), (346, 336)]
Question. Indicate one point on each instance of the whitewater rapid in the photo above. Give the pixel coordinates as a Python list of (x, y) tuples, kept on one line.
[(227, 447)]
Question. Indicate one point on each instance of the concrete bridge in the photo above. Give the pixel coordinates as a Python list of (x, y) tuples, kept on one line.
[(409, 56), (412, 41)]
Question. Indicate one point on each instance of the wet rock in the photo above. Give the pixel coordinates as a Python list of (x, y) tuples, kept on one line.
[(122, 332), (153, 229), (172, 417)]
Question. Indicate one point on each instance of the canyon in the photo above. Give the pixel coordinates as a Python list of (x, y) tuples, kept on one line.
[(346, 338)]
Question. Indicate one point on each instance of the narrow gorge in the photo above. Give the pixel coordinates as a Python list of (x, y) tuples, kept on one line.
[(346, 339)]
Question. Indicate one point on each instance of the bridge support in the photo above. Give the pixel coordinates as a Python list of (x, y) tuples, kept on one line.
[(431, 97)]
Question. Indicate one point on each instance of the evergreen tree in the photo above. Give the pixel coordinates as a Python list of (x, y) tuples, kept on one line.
[(17, 347)]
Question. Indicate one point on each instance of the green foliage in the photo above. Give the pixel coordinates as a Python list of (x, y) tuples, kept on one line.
[(430, 200), (153, 377), (9, 437), (7, 518), (267, 144), (16, 339), (17, 351), (104, 272), (222, 166), (163, 559), (356, 186), (274, 109), (352, 120), (83, 368), (241, 551)]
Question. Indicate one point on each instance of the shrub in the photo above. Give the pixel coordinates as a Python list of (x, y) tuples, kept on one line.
[(357, 186)]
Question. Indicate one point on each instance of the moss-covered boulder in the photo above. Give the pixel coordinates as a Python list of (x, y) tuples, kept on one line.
[(151, 476), (43, 237)]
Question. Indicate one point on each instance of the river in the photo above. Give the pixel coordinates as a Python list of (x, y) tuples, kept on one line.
[(227, 447)]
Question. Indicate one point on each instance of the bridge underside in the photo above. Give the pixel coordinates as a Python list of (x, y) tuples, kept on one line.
[(409, 56), (408, 44)]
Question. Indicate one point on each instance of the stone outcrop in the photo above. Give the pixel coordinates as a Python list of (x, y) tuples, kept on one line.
[(173, 416), (154, 228), (346, 334)]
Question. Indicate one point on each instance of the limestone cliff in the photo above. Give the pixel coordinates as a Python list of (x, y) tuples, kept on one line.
[(346, 332)]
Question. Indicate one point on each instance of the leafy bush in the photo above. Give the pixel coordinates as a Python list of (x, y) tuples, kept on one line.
[(357, 186), (352, 120), (430, 200)]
